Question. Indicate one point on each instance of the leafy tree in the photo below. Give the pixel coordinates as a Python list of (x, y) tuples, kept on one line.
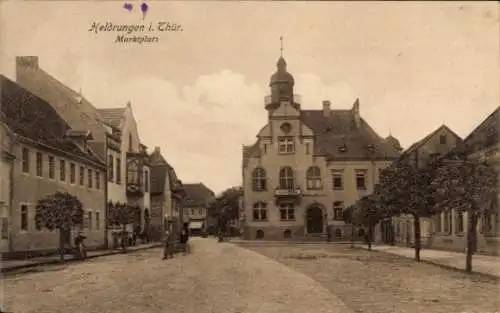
[(368, 213), (225, 207), (469, 186), (348, 217), (60, 211), (120, 214), (405, 189)]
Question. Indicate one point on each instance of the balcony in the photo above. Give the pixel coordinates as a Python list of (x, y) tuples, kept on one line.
[(288, 195), (297, 99)]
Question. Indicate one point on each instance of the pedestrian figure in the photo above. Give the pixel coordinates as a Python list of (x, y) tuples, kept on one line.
[(167, 245), (184, 241), (80, 247)]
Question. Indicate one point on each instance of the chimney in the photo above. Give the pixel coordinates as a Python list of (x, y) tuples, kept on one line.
[(157, 149), (326, 108), (24, 63), (355, 113)]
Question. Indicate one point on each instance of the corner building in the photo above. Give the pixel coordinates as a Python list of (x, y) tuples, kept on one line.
[(307, 166)]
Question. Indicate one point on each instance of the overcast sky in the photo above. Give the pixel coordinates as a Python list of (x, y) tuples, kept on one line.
[(198, 94)]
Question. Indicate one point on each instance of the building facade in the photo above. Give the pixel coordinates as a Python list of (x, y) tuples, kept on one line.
[(115, 138), (198, 198), (450, 227), (6, 171), (167, 193), (438, 143), (308, 165), (48, 156)]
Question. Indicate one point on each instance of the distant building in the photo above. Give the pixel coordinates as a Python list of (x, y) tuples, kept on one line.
[(167, 193), (7, 159), (450, 227), (47, 156), (196, 205), (420, 154), (307, 166), (115, 139)]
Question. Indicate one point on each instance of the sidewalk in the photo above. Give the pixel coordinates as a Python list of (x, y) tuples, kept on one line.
[(482, 264), (11, 265)]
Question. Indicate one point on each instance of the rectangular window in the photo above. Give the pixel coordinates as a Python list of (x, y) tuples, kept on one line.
[(308, 149), (118, 171), (361, 179), (286, 144), (72, 173), (259, 212), (90, 178), (447, 222), (338, 179), (287, 212), (193, 212), (437, 222), (89, 220), (39, 164), (110, 167), (26, 160), (97, 220), (5, 228), (265, 148), (338, 208), (24, 217), (146, 181), (62, 170), (442, 139), (200, 211), (97, 180), (52, 173), (82, 175)]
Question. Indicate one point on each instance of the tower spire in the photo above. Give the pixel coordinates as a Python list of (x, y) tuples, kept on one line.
[(281, 48)]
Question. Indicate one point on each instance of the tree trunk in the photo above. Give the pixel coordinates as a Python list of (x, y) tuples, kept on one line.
[(416, 235), (352, 236), (61, 245), (124, 237), (369, 237), (471, 240)]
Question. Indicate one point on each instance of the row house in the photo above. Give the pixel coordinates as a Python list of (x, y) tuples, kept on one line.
[(198, 198), (438, 143), (307, 166), (115, 139), (450, 227), (167, 194), (42, 154)]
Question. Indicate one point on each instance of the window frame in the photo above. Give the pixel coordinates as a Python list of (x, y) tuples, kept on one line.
[(361, 173), (286, 144), (338, 209), (337, 173), (259, 179), (313, 178), (287, 212), (260, 208), (25, 160), (286, 178)]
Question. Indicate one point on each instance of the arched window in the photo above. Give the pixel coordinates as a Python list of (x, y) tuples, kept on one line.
[(259, 181), (286, 178), (313, 176), (338, 233), (259, 234), (287, 233)]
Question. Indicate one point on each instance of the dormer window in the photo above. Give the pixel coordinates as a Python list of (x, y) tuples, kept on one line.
[(343, 149)]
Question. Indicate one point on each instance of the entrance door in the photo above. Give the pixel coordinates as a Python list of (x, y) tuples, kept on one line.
[(314, 220)]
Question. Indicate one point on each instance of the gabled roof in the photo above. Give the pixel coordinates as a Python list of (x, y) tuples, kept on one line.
[(31, 118), (197, 194), (424, 140), (112, 117), (485, 134)]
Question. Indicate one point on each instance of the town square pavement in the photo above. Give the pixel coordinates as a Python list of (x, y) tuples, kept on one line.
[(226, 277), (216, 278)]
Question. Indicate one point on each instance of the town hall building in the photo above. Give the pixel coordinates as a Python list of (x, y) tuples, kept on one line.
[(306, 166)]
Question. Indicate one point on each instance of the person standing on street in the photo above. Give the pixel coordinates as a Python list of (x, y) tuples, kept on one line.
[(167, 245)]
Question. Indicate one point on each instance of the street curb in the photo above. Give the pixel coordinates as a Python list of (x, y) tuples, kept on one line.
[(444, 266), (51, 262)]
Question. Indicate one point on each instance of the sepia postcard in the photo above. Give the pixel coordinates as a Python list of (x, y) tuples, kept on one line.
[(249, 156)]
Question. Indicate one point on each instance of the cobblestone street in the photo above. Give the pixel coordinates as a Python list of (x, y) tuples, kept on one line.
[(214, 278), (376, 282)]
